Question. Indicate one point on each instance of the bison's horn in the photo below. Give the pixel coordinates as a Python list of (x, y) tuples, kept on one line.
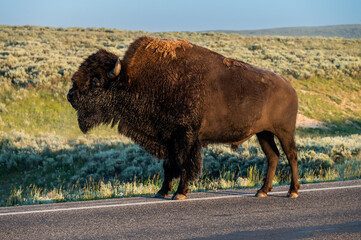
[(115, 72)]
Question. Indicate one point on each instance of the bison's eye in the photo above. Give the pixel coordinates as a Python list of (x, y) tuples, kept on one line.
[(96, 82)]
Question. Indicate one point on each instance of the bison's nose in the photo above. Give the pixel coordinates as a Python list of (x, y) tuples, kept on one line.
[(70, 96)]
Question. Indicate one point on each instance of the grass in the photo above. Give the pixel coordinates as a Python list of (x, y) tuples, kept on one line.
[(49, 168), (331, 101), (40, 111), (44, 157), (36, 64), (94, 190)]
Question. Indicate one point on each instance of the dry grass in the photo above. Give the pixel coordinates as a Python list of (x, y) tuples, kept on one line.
[(45, 158)]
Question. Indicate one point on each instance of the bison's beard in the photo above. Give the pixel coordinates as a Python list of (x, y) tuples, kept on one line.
[(84, 126), (90, 118), (87, 122), (94, 110)]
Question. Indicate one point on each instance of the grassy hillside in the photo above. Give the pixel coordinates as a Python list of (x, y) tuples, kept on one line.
[(36, 64), (344, 31), (44, 156)]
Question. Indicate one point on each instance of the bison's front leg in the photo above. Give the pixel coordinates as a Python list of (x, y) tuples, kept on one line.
[(183, 189), (190, 170), (169, 174)]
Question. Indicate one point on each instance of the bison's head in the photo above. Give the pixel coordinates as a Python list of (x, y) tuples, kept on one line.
[(91, 95)]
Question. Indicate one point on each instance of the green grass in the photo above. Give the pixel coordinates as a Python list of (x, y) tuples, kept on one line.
[(37, 111), (45, 167), (44, 157), (94, 190), (332, 101)]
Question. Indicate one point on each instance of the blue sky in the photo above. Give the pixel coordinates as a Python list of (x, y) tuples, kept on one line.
[(182, 15)]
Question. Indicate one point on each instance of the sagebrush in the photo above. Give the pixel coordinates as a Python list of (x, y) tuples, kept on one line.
[(45, 158)]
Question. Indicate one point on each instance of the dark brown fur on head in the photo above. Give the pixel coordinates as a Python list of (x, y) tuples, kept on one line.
[(90, 94), (96, 66)]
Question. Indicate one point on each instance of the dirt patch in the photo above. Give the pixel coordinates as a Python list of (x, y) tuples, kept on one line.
[(306, 122)]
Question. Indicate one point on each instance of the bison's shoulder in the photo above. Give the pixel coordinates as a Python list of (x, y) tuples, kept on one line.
[(163, 65), (154, 50)]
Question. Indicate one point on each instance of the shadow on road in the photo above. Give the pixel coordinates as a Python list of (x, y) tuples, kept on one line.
[(349, 230)]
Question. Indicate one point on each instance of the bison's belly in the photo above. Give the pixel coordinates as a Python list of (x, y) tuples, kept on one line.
[(229, 128)]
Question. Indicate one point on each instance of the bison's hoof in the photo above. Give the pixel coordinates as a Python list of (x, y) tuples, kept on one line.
[(160, 195), (292, 195), (261, 194), (179, 196)]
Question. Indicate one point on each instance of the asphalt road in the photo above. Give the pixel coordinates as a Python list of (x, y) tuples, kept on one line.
[(323, 211)]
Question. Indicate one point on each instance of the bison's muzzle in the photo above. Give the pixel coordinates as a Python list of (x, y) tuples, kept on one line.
[(71, 96)]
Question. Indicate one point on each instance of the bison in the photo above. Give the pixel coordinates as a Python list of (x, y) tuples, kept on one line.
[(172, 96)]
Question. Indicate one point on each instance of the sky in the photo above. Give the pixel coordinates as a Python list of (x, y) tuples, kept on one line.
[(181, 15)]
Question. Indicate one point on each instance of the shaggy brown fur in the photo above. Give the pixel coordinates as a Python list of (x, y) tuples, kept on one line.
[(172, 96), (168, 47)]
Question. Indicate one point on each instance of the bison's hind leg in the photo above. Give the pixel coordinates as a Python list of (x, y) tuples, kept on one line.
[(289, 147), (266, 140)]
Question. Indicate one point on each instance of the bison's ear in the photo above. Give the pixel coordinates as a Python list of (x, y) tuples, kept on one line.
[(116, 70)]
